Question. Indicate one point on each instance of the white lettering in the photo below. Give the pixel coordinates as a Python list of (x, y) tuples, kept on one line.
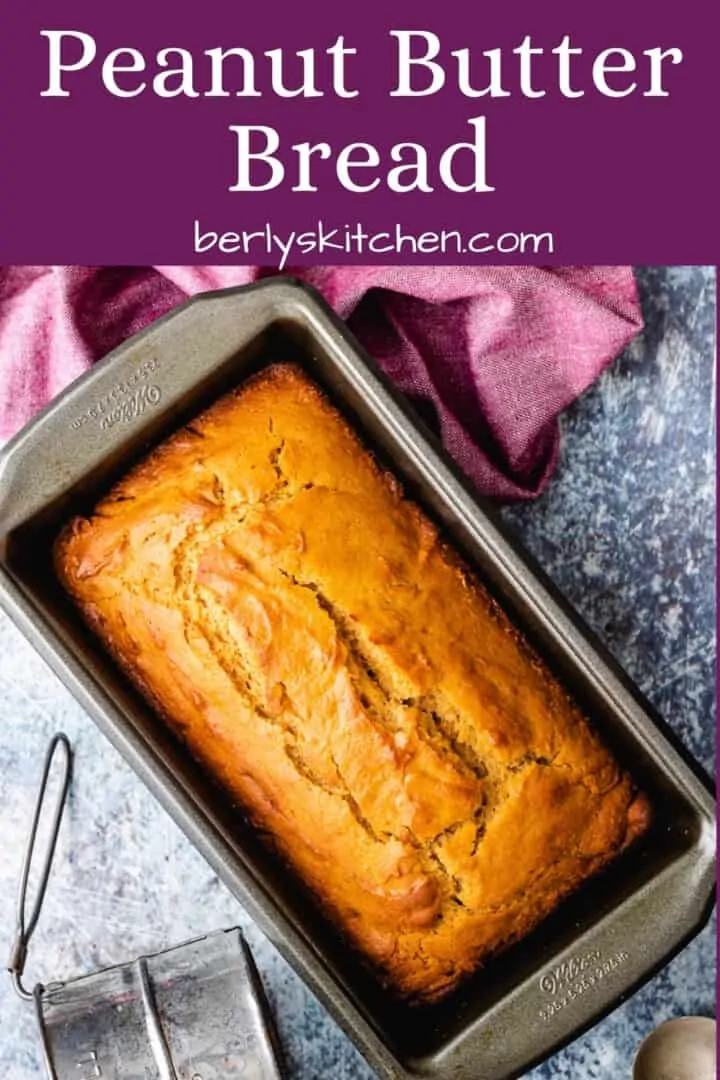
[(184, 73), (477, 149), (406, 62), (122, 62), (57, 63), (264, 156), (657, 56), (609, 61)]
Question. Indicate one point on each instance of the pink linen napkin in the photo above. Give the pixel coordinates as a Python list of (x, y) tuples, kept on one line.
[(493, 354)]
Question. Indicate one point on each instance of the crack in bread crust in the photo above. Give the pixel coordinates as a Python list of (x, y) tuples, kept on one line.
[(302, 626)]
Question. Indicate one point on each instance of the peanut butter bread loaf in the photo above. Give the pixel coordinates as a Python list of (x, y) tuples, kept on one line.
[(300, 624)]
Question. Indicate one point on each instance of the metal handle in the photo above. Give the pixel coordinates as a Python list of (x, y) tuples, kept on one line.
[(27, 921)]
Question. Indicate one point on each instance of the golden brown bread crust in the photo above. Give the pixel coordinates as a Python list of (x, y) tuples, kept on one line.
[(301, 625)]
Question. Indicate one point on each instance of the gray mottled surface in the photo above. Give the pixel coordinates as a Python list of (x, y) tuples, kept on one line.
[(626, 529)]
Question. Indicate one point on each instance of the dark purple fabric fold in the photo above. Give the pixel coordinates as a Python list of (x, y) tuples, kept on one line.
[(492, 355)]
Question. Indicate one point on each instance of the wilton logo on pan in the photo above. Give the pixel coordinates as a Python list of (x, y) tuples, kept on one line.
[(126, 400), (574, 977), (133, 406)]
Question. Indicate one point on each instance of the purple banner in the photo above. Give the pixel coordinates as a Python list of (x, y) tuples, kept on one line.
[(288, 135)]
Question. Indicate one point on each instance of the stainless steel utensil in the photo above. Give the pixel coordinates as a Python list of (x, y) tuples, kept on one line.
[(193, 1012)]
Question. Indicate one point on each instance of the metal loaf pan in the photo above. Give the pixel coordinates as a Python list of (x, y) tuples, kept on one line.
[(604, 940)]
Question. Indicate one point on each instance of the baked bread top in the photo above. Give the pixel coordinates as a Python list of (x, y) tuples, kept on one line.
[(302, 626)]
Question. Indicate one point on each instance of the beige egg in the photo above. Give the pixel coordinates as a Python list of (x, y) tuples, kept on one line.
[(682, 1049)]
